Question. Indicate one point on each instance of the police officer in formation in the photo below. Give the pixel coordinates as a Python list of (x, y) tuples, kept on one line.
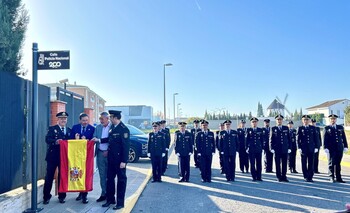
[(196, 128), (205, 145), (334, 144), (243, 156), (217, 141), (254, 146), (118, 156), (166, 132), (229, 145), (280, 146), (316, 157), (307, 145), (293, 148), (268, 155), (53, 137), (184, 150), (156, 151)]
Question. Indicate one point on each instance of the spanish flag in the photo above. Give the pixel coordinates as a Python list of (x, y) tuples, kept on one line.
[(77, 165)]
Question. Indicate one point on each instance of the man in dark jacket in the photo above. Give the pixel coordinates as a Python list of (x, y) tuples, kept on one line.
[(268, 155), (316, 157), (243, 156), (196, 128), (293, 154), (217, 144)]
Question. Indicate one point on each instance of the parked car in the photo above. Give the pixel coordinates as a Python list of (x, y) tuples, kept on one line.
[(138, 144)]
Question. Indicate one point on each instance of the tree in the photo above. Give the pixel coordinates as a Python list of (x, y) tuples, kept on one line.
[(14, 19), (300, 113), (347, 116), (318, 117), (250, 115), (260, 112)]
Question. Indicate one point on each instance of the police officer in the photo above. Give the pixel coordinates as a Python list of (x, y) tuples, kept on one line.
[(268, 155), (229, 145), (243, 156), (280, 146), (307, 145), (217, 144), (254, 145), (205, 144), (194, 132), (316, 157), (53, 137), (118, 155), (293, 140), (334, 144), (166, 132), (183, 149)]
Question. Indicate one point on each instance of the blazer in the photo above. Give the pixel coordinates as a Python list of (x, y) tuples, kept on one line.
[(98, 134), (89, 131), (53, 134)]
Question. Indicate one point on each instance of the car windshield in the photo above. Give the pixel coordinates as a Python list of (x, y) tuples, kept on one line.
[(134, 131)]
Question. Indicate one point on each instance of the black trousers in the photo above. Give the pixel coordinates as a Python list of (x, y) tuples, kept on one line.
[(292, 160), (316, 160), (307, 165), (205, 163), (112, 171), (165, 162), (255, 165), (230, 166), (281, 158), (334, 164), (50, 173), (243, 160), (222, 166), (157, 167), (268, 159), (196, 159), (185, 167)]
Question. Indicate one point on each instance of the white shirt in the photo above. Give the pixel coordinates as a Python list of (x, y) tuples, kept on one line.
[(105, 132)]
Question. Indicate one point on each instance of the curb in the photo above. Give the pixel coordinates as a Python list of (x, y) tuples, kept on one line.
[(343, 163)]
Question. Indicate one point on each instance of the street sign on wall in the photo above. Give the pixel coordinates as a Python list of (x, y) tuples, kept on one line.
[(53, 60)]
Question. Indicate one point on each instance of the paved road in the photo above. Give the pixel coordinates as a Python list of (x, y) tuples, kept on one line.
[(243, 195)]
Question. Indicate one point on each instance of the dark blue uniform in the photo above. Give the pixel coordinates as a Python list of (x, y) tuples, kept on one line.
[(307, 141), (316, 157), (156, 147), (221, 156), (280, 143), (229, 145), (293, 148), (205, 144), (166, 132), (196, 158), (243, 156), (118, 152), (183, 147), (334, 139), (54, 133), (254, 144), (268, 155)]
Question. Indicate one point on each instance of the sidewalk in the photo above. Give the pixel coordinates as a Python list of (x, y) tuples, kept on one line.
[(345, 161)]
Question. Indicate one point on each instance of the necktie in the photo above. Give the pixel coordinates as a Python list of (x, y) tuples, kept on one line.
[(82, 132), (63, 130), (280, 128)]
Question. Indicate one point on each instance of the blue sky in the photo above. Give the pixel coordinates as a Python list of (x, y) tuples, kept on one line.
[(226, 54)]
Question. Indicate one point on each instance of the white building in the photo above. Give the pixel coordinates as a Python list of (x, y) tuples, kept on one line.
[(330, 107), (275, 108)]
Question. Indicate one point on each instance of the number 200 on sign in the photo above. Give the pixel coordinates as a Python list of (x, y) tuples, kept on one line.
[(55, 64)]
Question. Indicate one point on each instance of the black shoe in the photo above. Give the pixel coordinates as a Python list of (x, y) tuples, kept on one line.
[(279, 180), (101, 198), (242, 171), (332, 180), (79, 197), (153, 181), (340, 181), (85, 200), (181, 180), (254, 180), (317, 172), (269, 172), (259, 179), (209, 181), (233, 180), (228, 180), (160, 181), (285, 180), (295, 171), (46, 201), (108, 203), (117, 207), (203, 181), (61, 200), (187, 181)]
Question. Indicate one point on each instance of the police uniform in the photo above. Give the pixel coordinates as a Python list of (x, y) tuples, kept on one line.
[(54, 133), (166, 132), (156, 151), (308, 144), (243, 156), (118, 152), (254, 146), (229, 145), (334, 144), (280, 144), (194, 132), (221, 156), (293, 148), (205, 144), (316, 157), (268, 155), (184, 149)]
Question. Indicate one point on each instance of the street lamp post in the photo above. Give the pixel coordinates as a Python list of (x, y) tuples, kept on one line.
[(174, 106), (165, 65), (178, 109)]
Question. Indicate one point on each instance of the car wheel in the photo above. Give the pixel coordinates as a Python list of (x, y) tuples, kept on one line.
[(133, 156)]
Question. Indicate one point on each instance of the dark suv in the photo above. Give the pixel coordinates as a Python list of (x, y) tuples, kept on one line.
[(138, 144)]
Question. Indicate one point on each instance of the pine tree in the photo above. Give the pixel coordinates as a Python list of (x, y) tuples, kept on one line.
[(260, 112), (301, 113), (250, 115)]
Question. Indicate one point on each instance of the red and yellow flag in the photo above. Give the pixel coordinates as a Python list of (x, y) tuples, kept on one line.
[(77, 165)]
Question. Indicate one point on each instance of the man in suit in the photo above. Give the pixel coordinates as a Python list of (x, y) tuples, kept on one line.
[(205, 144), (280, 146), (183, 149), (293, 154), (118, 156), (217, 144), (229, 145), (334, 144), (307, 145), (268, 155), (53, 137), (254, 147), (316, 157), (243, 156), (166, 132), (83, 130), (194, 132), (101, 138)]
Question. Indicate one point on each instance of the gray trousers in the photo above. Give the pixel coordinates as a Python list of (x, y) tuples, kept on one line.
[(102, 165)]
